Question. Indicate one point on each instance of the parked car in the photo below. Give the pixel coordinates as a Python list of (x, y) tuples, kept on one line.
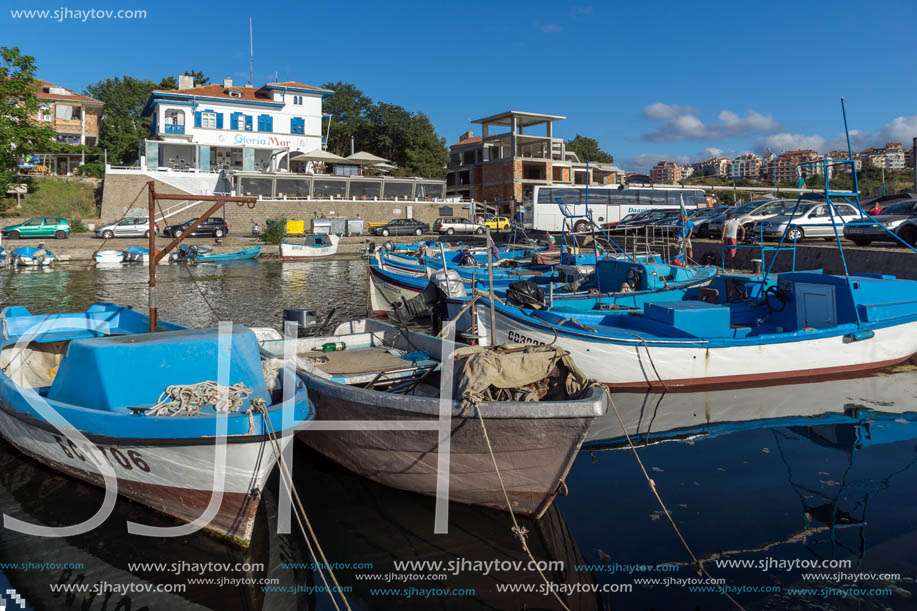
[(699, 217), (702, 218), (401, 227), (899, 218), (451, 225), (811, 220), (748, 214), (877, 205), (214, 226), (39, 227), (127, 227), (497, 223)]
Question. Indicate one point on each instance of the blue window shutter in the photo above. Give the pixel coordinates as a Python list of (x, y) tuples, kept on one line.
[(248, 122), (197, 119), (219, 120), (269, 122), (234, 121)]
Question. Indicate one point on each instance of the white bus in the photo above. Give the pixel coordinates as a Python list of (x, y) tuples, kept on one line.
[(607, 203)]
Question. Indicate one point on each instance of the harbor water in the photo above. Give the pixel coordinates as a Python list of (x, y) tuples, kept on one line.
[(797, 497)]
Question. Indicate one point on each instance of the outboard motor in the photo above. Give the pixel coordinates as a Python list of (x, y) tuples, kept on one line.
[(525, 294), (304, 318), (389, 246), (443, 284), (371, 249)]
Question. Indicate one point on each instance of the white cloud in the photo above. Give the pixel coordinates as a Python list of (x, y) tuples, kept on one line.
[(683, 123), (901, 129), (789, 142), (582, 11), (658, 111), (735, 125), (551, 28)]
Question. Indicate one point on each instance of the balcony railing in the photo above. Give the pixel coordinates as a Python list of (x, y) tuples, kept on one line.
[(174, 129)]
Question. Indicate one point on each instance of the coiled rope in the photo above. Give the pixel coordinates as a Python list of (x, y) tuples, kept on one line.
[(190, 399)]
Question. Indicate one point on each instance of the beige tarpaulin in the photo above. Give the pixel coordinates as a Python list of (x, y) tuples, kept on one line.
[(515, 367)]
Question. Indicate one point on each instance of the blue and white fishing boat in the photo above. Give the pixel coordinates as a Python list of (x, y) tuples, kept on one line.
[(204, 254), (146, 404), (29, 256), (806, 326), (136, 254), (311, 246)]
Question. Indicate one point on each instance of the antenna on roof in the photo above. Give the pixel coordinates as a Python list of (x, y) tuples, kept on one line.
[(251, 55)]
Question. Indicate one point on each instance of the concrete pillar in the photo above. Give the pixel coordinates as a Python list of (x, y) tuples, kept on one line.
[(512, 131), (549, 129)]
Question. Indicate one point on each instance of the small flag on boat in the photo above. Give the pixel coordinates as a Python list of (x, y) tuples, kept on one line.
[(801, 182), (681, 196)]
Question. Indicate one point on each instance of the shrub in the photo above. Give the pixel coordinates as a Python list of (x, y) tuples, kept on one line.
[(77, 226), (273, 231), (93, 170)]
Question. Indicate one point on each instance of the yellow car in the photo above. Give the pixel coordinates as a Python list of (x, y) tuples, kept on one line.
[(497, 223)]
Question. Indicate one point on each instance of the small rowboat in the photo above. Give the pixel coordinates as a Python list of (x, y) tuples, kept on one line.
[(204, 254), (30, 256), (71, 368), (378, 376), (109, 256)]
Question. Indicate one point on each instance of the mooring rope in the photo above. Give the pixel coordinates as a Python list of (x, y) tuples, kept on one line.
[(302, 519), (698, 565), (520, 531)]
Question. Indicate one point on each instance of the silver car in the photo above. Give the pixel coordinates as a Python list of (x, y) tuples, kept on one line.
[(450, 225), (812, 220), (132, 226), (750, 213)]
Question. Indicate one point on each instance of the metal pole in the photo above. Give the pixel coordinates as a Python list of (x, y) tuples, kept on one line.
[(914, 161), (490, 291), (151, 192)]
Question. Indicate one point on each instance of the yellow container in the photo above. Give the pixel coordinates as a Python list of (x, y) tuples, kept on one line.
[(296, 227)]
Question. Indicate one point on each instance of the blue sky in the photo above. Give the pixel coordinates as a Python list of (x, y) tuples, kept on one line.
[(649, 80)]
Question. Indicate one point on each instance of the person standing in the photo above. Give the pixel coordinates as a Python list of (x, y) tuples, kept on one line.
[(686, 230), (730, 234)]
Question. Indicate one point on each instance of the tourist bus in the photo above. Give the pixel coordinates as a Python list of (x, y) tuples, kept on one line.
[(607, 203)]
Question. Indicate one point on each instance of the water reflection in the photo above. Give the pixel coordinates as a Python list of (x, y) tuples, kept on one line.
[(790, 485), (35, 494), (248, 292)]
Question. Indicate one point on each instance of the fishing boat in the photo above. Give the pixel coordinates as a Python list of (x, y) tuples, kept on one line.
[(311, 246), (29, 256), (135, 254), (371, 372), (4, 257), (155, 423), (35, 494), (203, 254), (108, 256), (804, 327)]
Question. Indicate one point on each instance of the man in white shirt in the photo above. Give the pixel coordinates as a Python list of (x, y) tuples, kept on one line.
[(731, 230)]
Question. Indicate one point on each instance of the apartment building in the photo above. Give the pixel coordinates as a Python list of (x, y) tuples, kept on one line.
[(666, 173), (786, 165), (744, 167), (74, 119), (504, 164), (716, 166)]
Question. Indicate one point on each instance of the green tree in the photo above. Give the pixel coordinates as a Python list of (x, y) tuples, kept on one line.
[(407, 139), (587, 149), (19, 134), (122, 125), (199, 78), (348, 107), (426, 153)]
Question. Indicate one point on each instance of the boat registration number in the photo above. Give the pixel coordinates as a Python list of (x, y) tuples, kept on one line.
[(518, 338), (127, 459)]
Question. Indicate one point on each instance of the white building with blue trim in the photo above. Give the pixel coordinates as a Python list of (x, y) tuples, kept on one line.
[(223, 127)]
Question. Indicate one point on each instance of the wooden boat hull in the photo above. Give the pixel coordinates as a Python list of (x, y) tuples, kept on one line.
[(383, 292), (174, 477), (630, 365), (534, 444)]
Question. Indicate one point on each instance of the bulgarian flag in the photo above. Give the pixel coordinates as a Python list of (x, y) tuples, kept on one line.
[(801, 182), (681, 196)]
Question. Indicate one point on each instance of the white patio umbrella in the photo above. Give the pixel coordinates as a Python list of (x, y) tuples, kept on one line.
[(319, 155), (365, 159)]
